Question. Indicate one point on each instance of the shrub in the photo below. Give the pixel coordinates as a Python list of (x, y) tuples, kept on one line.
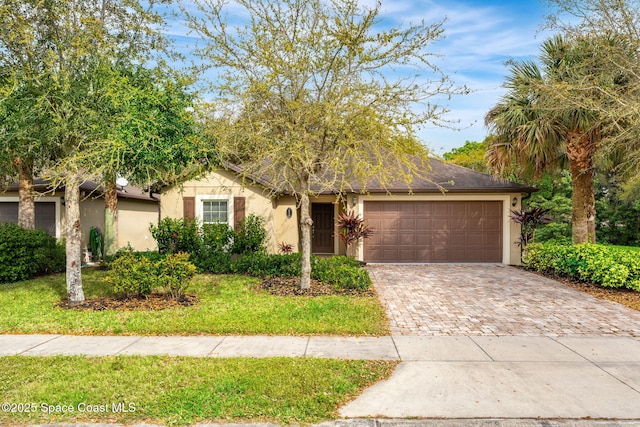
[(26, 253), (132, 276), (213, 262), (603, 265), (250, 236), (217, 238), (263, 265), (342, 272), (176, 235), (175, 273)]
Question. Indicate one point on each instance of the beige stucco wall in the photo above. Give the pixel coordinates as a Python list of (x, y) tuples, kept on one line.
[(511, 231), (134, 218), (286, 229), (227, 185)]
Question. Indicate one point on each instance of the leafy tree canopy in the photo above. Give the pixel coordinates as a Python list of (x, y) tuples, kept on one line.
[(314, 93)]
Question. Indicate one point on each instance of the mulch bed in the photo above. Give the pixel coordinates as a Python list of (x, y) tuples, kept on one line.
[(152, 302), (290, 286), (627, 297)]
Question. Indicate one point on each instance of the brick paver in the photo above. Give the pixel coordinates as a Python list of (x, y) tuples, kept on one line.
[(492, 299)]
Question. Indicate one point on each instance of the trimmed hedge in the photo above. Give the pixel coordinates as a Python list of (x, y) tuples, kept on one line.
[(340, 271), (27, 253), (608, 266)]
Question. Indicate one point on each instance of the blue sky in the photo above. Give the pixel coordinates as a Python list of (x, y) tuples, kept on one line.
[(480, 36)]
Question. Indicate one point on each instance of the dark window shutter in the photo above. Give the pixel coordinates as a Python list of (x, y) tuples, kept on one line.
[(189, 207), (238, 210)]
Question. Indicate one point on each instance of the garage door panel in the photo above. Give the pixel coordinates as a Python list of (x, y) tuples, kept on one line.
[(434, 231), (407, 224), (389, 238), (407, 239), (492, 225), (457, 238)]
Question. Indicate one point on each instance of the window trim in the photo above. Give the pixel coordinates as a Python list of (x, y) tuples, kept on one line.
[(214, 197)]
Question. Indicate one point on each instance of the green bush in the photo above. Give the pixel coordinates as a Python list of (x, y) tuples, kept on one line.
[(603, 265), (263, 265), (132, 276), (217, 238), (177, 235), (26, 253), (213, 262), (137, 274), (250, 236), (175, 273), (342, 272)]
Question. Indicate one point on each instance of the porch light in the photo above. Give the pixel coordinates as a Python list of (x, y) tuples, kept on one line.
[(514, 202), (354, 201)]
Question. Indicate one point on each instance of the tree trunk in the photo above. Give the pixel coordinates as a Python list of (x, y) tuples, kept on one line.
[(26, 201), (110, 218), (74, 240), (305, 227), (580, 152)]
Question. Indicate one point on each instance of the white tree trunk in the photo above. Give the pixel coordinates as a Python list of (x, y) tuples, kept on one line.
[(26, 202), (74, 239), (305, 227), (110, 218)]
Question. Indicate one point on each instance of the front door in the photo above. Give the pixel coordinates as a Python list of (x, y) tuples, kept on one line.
[(322, 237)]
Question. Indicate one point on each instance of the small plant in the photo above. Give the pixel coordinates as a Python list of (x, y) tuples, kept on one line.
[(529, 219), (352, 228), (132, 277), (175, 273), (285, 248), (251, 236), (342, 272)]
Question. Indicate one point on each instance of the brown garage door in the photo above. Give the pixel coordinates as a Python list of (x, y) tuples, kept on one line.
[(434, 231)]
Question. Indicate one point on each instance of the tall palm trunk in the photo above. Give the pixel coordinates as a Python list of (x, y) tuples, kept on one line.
[(26, 201), (580, 152), (74, 242)]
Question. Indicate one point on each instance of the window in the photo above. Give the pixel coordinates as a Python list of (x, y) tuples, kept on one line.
[(215, 212)]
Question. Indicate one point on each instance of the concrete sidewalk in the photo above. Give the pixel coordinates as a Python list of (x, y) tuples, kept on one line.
[(438, 377)]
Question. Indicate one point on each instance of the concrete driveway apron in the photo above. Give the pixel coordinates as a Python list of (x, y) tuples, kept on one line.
[(492, 299), (493, 341)]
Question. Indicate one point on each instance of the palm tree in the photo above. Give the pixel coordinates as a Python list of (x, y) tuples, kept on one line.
[(539, 133)]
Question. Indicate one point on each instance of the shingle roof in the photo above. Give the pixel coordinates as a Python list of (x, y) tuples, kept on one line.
[(450, 177), (441, 176), (92, 188)]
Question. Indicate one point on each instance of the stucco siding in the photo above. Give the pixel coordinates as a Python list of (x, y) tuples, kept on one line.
[(134, 218), (225, 185)]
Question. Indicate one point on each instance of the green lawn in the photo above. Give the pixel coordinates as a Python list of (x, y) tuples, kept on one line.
[(179, 390), (228, 305)]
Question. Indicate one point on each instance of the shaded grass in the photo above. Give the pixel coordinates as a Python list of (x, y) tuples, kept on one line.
[(181, 390), (228, 305)]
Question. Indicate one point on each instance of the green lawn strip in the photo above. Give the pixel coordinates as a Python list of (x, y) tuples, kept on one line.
[(228, 305), (180, 390)]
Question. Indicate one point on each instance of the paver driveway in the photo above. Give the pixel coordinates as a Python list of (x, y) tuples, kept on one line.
[(492, 299)]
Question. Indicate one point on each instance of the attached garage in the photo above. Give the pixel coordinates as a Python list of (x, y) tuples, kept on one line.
[(434, 231)]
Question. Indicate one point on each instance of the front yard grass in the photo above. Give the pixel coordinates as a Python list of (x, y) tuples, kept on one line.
[(228, 305), (179, 390)]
